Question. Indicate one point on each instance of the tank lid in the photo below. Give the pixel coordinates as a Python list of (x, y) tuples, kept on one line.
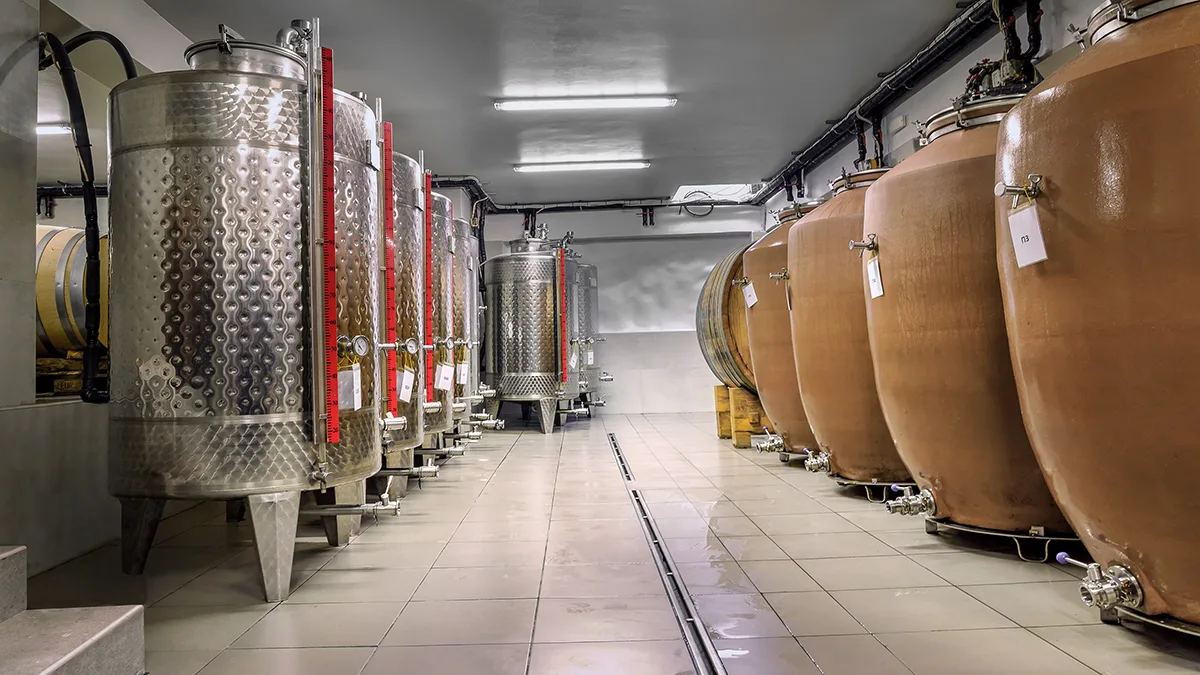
[(442, 206), (231, 53), (1114, 15), (798, 211), (856, 180), (970, 114), (530, 245)]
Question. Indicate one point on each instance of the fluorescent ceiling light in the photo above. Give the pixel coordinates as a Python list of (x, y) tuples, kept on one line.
[(587, 103), (54, 129), (581, 166)]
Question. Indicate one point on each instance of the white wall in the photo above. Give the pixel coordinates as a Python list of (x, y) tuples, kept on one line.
[(69, 213), (650, 281)]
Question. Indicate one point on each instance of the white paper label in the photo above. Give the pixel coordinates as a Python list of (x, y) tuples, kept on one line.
[(350, 388), (1025, 225), (574, 360), (464, 373), (443, 377), (874, 277), (751, 296), (591, 357), (407, 379)]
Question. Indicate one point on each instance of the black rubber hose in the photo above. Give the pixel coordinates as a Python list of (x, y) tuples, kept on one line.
[(1033, 14), (90, 36), (91, 392)]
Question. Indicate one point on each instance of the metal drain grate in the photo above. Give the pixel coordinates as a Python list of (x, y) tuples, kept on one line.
[(703, 653)]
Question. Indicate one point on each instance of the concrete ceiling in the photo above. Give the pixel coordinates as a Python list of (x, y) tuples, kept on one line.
[(756, 79)]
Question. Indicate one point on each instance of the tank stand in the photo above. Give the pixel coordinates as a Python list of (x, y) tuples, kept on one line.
[(1033, 547), (547, 411), (235, 510), (139, 524), (339, 529), (274, 517), (493, 406), (526, 411), (877, 493), (1122, 614)]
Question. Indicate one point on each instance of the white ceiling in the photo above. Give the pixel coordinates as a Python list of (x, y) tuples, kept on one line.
[(756, 79)]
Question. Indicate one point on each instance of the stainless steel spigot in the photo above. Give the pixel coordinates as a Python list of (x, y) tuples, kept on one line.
[(493, 425), (772, 444), (818, 462), (433, 407), (910, 504), (871, 244), (458, 408), (480, 417), (1106, 589), (605, 377), (781, 275), (391, 423)]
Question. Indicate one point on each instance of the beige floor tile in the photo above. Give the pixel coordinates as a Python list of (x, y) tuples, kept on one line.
[(1053, 603), (609, 658), (678, 528), (480, 583), (882, 521), (605, 620), (739, 617), (363, 585), (178, 663), (852, 574), (614, 511), (309, 555), (601, 581), (492, 554), (212, 536), (1127, 650), (198, 628), (673, 510), (718, 509), (455, 622), (331, 625), (734, 526), (832, 545), (396, 531), (981, 652), (464, 659), (981, 567), (488, 514), (614, 495), (327, 661), (767, 656), (665, 495), (753, 548), (778, 576), (774, 490), (715, 578), (813, 613), (599, 552), (588, 530), (779, 507), (919, 609), (697, 549), (501, 531), (228, 586), (912, 543), (852, 655), (416, 555), (810, 523)]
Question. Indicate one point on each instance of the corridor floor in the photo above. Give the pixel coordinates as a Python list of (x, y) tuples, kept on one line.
[(526, 557)]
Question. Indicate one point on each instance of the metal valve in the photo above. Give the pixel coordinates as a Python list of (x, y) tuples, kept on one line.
[(458, 408), (492, 425), (479, 417), (818, 462), (910, 504), (862, 246), (1079, 35), (1106, 590), (1031, 189), (740, 282), (486, 391), (598, 403), (433, 407), (391, 423), (781, 275), (772, 444), (605, 377)]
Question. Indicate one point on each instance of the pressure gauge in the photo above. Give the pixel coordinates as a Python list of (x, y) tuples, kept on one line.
[(412, 346), (361, 345)]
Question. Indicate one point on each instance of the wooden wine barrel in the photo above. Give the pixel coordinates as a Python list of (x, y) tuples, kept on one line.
[(1105, 333), (721, 324), (769, 327), (937, 334), (60, 257), (829, 338)]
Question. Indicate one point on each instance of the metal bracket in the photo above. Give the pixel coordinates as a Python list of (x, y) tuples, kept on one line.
[(862, 246)]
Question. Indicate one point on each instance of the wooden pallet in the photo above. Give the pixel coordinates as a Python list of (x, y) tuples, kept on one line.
[(740, 415), (64, 376)]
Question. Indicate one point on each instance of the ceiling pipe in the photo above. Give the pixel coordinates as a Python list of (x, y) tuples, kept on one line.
[(977, 18), (475, 190)]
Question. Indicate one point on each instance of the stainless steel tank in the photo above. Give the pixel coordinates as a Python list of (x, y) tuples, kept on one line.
[(592, 376), (409, 254), (466, 316), (527, 349), (439, 303), (212, 366)]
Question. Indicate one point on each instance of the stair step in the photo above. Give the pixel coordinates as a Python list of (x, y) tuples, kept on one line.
[(84, 641), (13, 594)]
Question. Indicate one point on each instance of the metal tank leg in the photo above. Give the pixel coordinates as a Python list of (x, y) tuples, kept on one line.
[(274, 518), (547, 411), (339, 529), (139, 523), (235, 510), (493, 407), (526, 411)]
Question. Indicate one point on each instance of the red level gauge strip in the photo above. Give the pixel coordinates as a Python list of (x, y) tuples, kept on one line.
[(562, 308), (329, 250), (389, 268), (429, 299)]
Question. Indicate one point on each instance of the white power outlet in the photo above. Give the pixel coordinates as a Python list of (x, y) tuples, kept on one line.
[(898, 124)]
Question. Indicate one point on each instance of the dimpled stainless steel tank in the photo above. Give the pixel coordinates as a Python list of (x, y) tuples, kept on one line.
[(528, 327), (440, 304), (407, 184), (212, 363), (591, 376), (466, 315)]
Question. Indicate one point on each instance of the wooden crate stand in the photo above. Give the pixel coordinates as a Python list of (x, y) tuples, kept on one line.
[(724, 422), (740, 415)]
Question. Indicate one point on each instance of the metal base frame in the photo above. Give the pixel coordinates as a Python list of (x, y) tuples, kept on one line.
[(274, 518), (1028, 544), (547, 412), (139, 523), (877, 493), (1118, 616), (339, 529)]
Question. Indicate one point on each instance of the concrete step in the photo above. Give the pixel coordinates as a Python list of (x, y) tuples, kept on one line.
[(13, 593), (86, 641)]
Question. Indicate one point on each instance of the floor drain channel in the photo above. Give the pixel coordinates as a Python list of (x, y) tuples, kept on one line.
[(703, 653), (616, 448)]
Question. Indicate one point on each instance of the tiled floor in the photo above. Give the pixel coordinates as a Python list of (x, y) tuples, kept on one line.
[(526, 558)]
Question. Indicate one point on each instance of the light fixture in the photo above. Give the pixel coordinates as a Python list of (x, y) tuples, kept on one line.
[(581, 166), (587, 103), (53, 129)]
